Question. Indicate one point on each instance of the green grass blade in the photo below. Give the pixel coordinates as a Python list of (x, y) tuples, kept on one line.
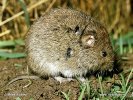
[(125, 43), (128, 35), (65, 95), (18, 98), (121, 45), (123, 83), (23, 5), (129, 77), (101, 89), (88, 89), (9, 43), (129, 46), (19, 42), (12, 55), (82, 92), (126, 92)]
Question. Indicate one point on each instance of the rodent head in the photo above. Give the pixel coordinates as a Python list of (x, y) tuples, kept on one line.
[(96, 51)]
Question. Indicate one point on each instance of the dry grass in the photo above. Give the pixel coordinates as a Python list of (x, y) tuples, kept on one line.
[(116, 15)]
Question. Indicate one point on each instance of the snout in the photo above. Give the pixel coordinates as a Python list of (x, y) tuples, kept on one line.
[(107, 66)]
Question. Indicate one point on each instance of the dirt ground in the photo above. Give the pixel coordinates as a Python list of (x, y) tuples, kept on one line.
[(48, 89), (40, 89)]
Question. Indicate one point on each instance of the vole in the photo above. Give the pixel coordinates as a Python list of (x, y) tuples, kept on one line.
[(66, 43)]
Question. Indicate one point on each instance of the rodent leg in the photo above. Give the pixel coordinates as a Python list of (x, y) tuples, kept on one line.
[(61, 79)]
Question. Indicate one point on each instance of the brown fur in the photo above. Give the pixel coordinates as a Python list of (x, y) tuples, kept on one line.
[(51, 35)]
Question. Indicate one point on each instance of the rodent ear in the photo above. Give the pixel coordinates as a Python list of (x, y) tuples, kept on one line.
[(88, 41)]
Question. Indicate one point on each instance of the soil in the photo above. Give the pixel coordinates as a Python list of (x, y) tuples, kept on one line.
[(41, 89)]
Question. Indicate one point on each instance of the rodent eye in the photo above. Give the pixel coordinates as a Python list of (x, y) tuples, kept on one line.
[(104, 53)]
